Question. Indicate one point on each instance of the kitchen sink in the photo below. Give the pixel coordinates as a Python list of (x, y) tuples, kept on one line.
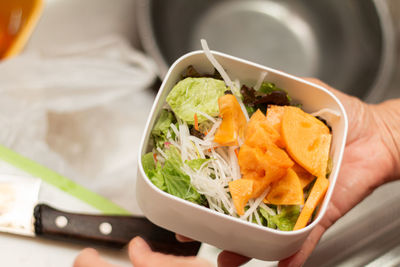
[(350, 45)]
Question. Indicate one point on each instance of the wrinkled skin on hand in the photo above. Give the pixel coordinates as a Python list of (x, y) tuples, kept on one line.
[(371, 158)]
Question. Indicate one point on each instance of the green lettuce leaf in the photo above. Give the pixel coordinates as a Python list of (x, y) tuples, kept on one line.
[(161, 127), (287, 218), (196, 94), (170, 177), (195, 164), (153, 171), (148, 162), (267, 88), (177, 182), (267, 217)]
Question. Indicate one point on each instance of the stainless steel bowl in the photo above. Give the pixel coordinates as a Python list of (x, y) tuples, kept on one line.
[(347, 44)]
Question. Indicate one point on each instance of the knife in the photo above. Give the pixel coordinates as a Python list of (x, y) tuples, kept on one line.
[(21, 214)]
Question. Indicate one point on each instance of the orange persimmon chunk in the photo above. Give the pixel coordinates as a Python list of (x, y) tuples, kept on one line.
[(250, 159), (271, 164), (307, 140), (226, 134), (259, 124), (241, 191), (255, 119), (278, 157), (286, 191), (317, 193), (233, 121), (274, 118), (262, 167), (261, 182), (259, 137), (304, 176)]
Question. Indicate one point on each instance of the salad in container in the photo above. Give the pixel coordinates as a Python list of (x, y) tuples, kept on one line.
[(236, 146)]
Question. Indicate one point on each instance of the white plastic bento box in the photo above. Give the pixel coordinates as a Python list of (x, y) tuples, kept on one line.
[(217, 229)]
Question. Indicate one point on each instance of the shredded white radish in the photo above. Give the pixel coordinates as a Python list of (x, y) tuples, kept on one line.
[(237, 88), (216, 64), (224, 75), (174, 129), (244, 110), (258, 220), (219, 165), (326, 111), (210, 135), (260, 80), (234, 163), (161, 152), (268, 209), (329, 115), (237, 83), (208, 117), (255, 205)]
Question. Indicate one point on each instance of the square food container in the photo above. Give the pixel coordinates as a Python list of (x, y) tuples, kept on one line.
[(220, 230)]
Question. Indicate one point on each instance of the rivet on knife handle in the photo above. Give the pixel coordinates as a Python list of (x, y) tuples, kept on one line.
[(110, 231)]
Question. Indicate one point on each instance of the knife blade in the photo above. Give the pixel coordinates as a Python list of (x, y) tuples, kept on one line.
[(20, 213)]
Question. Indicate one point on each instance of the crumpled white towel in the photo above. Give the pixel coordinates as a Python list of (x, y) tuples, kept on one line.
[(81, 111)]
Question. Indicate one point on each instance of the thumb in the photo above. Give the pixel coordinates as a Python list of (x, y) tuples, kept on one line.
[(141, 255), (89, 257)]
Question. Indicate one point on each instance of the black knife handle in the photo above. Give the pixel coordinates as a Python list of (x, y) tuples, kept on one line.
[(104, 230)]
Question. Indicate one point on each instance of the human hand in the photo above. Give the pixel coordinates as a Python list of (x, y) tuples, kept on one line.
[(140, 255)]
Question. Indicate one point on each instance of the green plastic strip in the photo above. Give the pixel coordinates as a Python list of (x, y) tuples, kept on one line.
[(51, 177)]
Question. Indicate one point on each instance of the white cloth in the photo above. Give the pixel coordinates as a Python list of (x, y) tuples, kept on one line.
[(80, 111)]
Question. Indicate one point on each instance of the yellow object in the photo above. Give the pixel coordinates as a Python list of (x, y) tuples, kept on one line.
[(17, 20)]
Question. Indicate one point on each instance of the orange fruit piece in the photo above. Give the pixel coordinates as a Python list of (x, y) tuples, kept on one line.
[(257, 125), (317, 193), (307, 140), (241, 191), (274, 118), (233, 121), (304, 176), (261, 136), (287, 190), (255, 119), (250, 159)]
